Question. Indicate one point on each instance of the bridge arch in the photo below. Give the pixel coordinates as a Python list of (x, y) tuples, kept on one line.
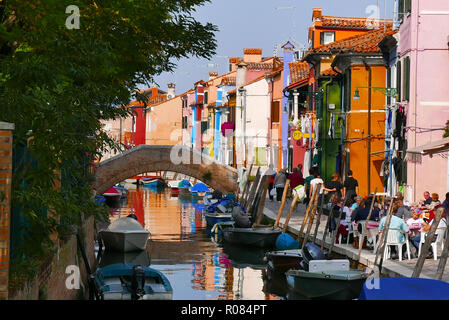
[(181, 159)]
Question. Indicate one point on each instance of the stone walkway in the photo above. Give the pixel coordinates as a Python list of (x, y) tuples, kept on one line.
[(391, 268)]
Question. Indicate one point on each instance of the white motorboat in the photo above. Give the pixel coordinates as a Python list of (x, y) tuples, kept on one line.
[(125, 235)]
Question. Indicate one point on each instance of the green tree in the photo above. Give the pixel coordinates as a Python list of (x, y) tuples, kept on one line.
[(57, 84)]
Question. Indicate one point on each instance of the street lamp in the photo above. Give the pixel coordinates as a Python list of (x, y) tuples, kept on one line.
[(389, 92)]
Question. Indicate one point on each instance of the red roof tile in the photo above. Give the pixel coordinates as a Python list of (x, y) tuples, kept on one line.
[(353, 23), (365, 43), (228, 81), (298, 71), (329, 72), (252, 51), (259, 66)]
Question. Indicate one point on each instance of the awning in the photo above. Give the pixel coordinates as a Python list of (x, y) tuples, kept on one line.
[(431, 148)]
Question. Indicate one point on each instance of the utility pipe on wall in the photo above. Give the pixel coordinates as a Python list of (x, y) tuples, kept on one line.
[(368, 68)]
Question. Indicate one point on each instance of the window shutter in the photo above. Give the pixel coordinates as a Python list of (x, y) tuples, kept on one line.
[(398, 80), (322, 37), (408, 6), (407, 78), (388, 84)]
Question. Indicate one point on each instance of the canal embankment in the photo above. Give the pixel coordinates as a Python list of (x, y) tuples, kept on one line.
[(50, 282), (390, 268)]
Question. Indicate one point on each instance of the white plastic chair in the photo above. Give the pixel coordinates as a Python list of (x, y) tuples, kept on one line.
[(393, 240), (361, 223), (441, 233)]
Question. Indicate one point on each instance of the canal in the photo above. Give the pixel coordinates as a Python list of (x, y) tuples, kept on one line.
[(197, 266)]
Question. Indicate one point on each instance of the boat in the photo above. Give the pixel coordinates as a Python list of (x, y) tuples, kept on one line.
[(262, 237), (122, 190), (325, 279), (213, 218), (284, 260), (112, 196), (244, 257), (328, 284), (127, 281), (155, 183), (184, 188), (108, 257), (174, 187), (124, 235), (199, 191), (405, 289)]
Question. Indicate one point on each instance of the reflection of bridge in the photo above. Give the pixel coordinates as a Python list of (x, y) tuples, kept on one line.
[(182, 159)]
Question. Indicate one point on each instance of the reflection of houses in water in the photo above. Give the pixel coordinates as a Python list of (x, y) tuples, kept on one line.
[(214, 273)]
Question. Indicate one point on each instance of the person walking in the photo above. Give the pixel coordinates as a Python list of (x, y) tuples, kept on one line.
[(301, 176), (279, 183), (313, 184), (351, 186), (296, 179), (270, 172), (334, 186)]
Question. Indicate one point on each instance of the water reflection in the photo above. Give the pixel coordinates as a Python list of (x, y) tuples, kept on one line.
[(181, 248)]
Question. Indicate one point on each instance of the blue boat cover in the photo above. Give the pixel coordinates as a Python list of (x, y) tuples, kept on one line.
[(184, 184), (227, 203), (200, 187), (230, 196), (286, 242), (405, 289)]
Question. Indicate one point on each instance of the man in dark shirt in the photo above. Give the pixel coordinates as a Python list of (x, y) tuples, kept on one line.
[(312, 175), (334, 186), (351, 186), (427, 198)]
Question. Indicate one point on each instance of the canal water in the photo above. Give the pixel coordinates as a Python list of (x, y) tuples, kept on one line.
[(197, 266)]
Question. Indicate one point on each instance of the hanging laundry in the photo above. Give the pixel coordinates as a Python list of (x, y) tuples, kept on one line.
[(306, 165), (317, 130), (331, 126), (310, 131), (303, 128)]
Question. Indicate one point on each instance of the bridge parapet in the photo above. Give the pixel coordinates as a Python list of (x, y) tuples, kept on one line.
[(178, 158)]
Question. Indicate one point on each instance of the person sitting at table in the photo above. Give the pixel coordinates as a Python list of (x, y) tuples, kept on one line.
[(355, 204), (395, 223), (426, 227), (403, 210), (363, 211), (346, 216), (435, 201), (427, 199), (414, 223)]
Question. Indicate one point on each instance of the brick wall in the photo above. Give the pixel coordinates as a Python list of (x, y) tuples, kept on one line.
[(50, 284), (5, 203)]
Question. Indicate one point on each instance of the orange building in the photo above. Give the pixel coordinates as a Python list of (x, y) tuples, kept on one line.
[(364, 76), (328, 29)]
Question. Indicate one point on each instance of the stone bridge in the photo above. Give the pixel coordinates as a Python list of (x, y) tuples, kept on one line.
[(181, 159)]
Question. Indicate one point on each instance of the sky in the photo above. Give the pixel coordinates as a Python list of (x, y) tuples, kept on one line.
[(261, 24)]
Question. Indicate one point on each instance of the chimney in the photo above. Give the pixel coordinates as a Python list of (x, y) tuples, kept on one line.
[(213, 75), (171, 90), (240, 75), (252, 55), (233, 63), (317, 14)]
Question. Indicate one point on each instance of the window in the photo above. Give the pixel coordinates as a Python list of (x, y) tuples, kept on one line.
[(327, 37), (261, 156), (404, 7), (184, 122), (406, 79), (206, 97), (275, 111), (398, 80), (388, 84)]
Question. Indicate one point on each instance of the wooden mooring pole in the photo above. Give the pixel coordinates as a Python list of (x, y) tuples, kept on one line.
[(383, 237), (284, 196), (337, 225), (263, 186), (306, 216), (365, 228), (252, 193), (426, 246), (443, 258), (318, 221), (312, 215)]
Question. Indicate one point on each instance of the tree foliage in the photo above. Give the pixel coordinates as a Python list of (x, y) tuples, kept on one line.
[(57, 84)]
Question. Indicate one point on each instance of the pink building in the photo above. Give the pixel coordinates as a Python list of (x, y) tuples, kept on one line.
[(424, 89)]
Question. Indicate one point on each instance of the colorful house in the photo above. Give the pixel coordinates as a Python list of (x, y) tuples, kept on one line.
[(364, 73), (423, 82)]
